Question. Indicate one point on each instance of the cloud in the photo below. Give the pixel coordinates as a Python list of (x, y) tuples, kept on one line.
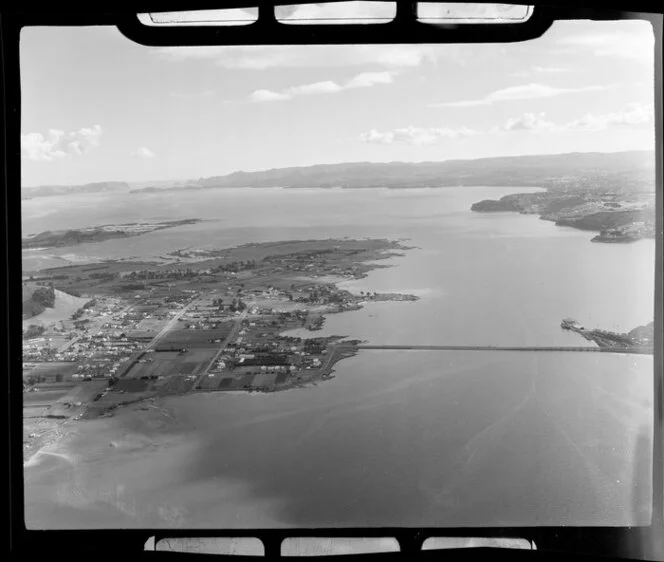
[(327, 87), (367, 79), (267, 95), (363, 80), (57, 144), (415, 135), (143, 153), (527, 91), (259, 57), (634, 116), (528, 122), (637, 44)]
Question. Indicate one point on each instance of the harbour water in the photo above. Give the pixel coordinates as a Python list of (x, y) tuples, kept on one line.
[(396, 438)]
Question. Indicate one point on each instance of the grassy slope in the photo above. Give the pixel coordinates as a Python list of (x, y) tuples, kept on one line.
[(65, 306)]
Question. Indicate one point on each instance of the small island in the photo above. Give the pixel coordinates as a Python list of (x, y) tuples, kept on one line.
[(72, 237)]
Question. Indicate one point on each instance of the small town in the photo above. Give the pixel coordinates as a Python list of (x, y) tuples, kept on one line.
[(221, 326)]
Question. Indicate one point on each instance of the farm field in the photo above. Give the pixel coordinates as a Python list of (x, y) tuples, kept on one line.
[(166, 363), (51, 370), (194, 338)]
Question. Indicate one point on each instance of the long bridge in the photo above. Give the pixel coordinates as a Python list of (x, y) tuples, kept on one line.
[(623, 350)]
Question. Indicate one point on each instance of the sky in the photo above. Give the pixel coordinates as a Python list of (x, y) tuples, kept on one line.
[(98, 107)]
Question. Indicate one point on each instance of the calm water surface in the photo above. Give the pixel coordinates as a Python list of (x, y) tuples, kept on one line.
[(397, 438)]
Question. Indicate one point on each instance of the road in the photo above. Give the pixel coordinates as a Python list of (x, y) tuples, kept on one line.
[(170, 324), (331, 357), (131, 360), (222, 347)]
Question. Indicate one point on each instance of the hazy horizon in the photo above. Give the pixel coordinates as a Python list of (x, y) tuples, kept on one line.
[(193, 179), (97, 107)]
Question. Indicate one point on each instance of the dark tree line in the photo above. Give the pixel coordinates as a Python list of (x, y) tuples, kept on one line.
[(77, 314), (34, 331), (234, 266), (107, 276), (235, 305)]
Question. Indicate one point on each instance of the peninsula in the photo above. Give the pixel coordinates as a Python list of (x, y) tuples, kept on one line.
[(211, 320), (640, 337), (72, 237), (617, 216)]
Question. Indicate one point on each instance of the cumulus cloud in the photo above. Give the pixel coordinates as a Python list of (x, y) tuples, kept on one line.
[(527, 91), (415, 135), (267, 95), (366, 79), (259, 57), (528, 122), (327, 87), (634, 116), (57, 144), (143, 153), (362, 80)]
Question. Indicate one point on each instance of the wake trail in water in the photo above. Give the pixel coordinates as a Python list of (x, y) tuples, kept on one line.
[(596, 476)]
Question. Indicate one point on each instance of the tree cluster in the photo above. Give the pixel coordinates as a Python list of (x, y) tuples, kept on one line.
[(33, 331), (44, 296)]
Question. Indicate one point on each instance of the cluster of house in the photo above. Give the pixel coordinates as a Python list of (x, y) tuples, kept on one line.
[(100, 352), (39, 349)]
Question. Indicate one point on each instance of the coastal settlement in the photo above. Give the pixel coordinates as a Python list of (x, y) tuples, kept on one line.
[(193, 321)]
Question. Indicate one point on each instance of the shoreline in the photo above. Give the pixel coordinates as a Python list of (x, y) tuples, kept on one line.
[(73, 237), (616, 216), (277, 277)]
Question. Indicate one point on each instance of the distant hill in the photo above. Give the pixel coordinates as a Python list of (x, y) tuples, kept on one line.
[(614, 171), (643, 333), (154, 189), (52, 190), (623, 171)]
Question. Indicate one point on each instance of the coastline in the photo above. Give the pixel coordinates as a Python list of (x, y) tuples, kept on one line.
[(320, 294), (73, 237), (616, 216), (135, 466), (191, 456)]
